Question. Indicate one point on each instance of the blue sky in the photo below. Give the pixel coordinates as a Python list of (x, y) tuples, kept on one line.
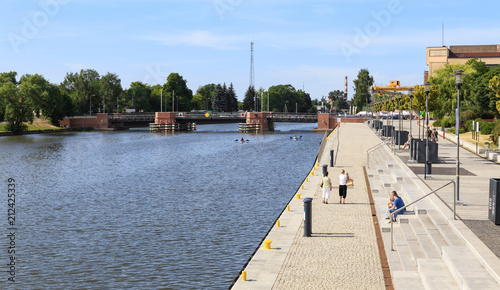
[(308, 44)]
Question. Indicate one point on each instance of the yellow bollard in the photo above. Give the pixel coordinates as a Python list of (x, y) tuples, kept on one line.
[(302, 186), (307, 180), (312, 173), (317, 164), (278, 223), (287, 208), (297, 196), (267, 244), (243, 275)]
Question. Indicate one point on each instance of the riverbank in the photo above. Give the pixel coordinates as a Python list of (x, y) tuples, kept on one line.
[(38, 126), (343, 251)]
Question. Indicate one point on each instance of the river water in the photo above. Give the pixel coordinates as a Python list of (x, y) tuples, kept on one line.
[(141, 210)]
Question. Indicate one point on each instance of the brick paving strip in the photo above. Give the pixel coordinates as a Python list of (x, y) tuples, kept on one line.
[(343, 252)]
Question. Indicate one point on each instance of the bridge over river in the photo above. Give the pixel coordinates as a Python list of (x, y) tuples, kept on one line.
[(144, 120)]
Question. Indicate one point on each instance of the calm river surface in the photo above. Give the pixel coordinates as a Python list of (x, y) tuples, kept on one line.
[(145, 210)]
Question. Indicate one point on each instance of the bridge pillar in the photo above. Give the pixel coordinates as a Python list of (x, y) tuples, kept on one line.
[(325, 122), (259, 118), (165, 117)]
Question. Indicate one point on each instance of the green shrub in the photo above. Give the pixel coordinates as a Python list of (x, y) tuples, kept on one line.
[(461, 130), (487, 127), (437, 123), (467, 115), (448, 122), (495, 133), (468, 125)]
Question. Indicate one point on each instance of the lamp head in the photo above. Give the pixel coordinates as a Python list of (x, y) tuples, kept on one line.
[(427, 87)]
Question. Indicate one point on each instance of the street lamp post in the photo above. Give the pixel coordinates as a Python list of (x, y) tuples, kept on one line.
[(399, 121), (426, 124), (458, 75), (392, 123), (410, 94)]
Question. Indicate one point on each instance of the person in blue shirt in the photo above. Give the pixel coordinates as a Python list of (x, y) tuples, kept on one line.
[(397, 203)]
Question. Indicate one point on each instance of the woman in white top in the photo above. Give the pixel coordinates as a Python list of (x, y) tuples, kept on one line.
[(326, 185), (343, 177)]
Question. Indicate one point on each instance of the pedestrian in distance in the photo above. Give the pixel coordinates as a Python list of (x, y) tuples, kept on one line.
[(434, 136), (326, 185), (343, 177)]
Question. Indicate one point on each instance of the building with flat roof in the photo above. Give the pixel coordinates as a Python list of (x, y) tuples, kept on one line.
[(437, 57)]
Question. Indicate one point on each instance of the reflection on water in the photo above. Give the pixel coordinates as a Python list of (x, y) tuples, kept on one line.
[(147, 210)]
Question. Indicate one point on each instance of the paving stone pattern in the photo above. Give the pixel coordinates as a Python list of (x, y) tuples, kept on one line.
[(342, 252)]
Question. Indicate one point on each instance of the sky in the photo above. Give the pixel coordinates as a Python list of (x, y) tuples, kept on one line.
[(312, 45)]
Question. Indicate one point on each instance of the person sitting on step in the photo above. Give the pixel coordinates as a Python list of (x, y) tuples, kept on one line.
[(396, 204)]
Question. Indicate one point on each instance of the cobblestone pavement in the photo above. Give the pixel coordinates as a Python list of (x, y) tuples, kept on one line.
[(342, 252)]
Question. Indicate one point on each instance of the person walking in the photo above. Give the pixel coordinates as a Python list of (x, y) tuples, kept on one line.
[(326, 185), (343, 177)]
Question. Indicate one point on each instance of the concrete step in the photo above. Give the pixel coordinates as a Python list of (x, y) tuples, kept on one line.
[(387, 180), (435, 274), (407, 280), (411, 239), (433, 233), (444, 228), (424, 240), (403, 250), (467, 270), (399, 174)]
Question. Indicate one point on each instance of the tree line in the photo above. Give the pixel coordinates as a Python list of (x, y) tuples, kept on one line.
[(87, 92)]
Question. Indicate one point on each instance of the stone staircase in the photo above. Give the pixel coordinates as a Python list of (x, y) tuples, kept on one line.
[(429, 253)]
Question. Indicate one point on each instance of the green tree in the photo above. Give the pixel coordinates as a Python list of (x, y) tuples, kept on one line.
[(207, 92), (341, 104), (176, 86), (58, 105), (219, 100), (335, 95), (284, 98), (495, 87), (110, 90), (6, 78), (158, 101), (249, 100), (361, 94), (138, 97), (20, 100), (231, 99), (84, 89), (198, 102)]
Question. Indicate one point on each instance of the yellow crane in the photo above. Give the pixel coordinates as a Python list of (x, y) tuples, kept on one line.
[(394, 86)]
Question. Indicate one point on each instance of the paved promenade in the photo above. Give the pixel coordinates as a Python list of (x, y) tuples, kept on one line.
[(342, 252)]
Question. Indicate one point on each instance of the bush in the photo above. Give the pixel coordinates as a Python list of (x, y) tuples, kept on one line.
[(467, 115), (487, 127), (437, 123), (461, 130), (448, 122), (495, 133), (468, 125)]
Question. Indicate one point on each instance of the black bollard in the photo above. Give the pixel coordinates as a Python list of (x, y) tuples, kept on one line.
[(325, 169), (428, 168), (307, 216), (331, 158)]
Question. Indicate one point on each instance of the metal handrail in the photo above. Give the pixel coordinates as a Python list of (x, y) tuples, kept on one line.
[(434, 191), (372, 149)]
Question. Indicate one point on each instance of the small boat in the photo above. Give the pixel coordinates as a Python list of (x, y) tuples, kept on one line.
[(295, 138)]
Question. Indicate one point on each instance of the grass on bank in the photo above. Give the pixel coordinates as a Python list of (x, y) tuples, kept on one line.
[(482, 138), (38, 124)]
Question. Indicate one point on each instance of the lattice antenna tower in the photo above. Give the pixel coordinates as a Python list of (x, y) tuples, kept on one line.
[(252, 74)]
